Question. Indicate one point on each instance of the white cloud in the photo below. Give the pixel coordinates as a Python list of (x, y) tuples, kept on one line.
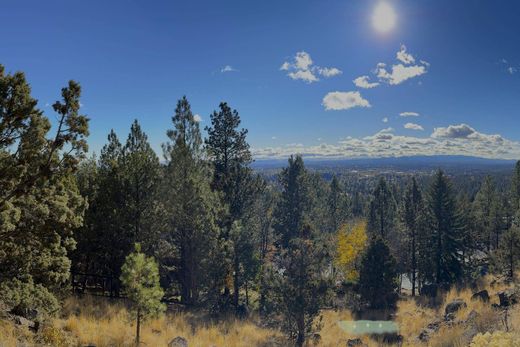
[(400, 73), (344, 101), (404, 69), (413, 126), (197, 118), (363, 82), (304, 75), (464, 131), (404, 56), (329, 71), (302, 60), (409, 114), (228, 68), (512, 70), (302, 68), (461, 131), (385, 143), (385, 120), (285, 66)]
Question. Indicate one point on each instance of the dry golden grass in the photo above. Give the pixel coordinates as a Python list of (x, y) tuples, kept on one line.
[(412, 318), (101, 322), (10, 335)]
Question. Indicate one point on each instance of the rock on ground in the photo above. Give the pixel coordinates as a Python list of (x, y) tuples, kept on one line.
[(178, 342)]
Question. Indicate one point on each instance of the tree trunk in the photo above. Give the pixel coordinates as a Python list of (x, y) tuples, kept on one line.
[(138, 328), (236, 283), (300, 339), (247, 295), (413, 264)]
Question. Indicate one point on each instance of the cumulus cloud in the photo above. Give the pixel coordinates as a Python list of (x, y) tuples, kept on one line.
[(409, 114), (413, 126), (363, 82), (451, 140), (405, 68), (228, 68), (405, 57), (344, 101), (304, 75), (385, 120), (302, 67), (197, 118), (464, 131), (399, 73), (329, 71)]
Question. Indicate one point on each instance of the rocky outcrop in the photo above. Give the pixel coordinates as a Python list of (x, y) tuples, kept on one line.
[(178, 342), (355, 343), (430, 329), (508, 297), (453, 307), (483, 295)]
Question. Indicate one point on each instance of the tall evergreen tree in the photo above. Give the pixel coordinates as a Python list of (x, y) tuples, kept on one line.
[(378, 277), (507, 257), (299, 286), (412, 207), (515, 188), (229, 153), (114, 238), (381, 219), (337, 205), (141, 176), (40, 205), (444, 248), (295, 203), (483, 205), (190, 249)]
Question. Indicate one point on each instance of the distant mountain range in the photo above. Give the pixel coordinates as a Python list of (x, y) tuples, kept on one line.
[(403, 163)]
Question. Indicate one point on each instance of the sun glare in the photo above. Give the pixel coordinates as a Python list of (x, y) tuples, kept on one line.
[(383, 18)]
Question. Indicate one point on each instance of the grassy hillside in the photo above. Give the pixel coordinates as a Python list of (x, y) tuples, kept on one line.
[(100, 322)]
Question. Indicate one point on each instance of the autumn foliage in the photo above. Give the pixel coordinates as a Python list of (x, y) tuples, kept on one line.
[(351, 242)]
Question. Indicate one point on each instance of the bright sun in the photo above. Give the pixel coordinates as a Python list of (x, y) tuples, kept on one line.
[(383, 18)]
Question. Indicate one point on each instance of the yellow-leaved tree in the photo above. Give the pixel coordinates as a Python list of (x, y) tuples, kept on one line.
[(351, 242)]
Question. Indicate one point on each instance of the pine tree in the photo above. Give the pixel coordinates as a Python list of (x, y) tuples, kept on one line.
[(445, 232), (412, 207), (515, 188), (189, 250), (337, 205), (295, 203), (40, 205), (141, 177), (507, 257), (229, 154), (298, 286), (381, 219), (378, 283), (483, 205), (113, 237), (140, 279)]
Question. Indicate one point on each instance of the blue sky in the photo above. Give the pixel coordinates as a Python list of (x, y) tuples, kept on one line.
[(458, 69)]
